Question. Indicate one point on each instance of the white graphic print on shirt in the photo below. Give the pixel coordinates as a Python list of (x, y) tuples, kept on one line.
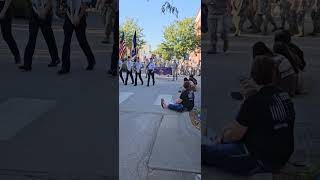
[(280, 110)]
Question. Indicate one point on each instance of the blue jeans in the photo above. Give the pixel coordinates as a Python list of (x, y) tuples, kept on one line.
[(231, 157), (176, 107)]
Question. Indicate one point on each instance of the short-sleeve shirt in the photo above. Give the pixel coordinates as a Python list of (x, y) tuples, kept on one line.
[(74, 5), (269, 116), (216, 7), (37, 4), (187, 98)]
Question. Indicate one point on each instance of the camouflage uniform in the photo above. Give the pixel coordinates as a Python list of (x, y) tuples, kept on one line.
[(264, 15), (108, 12), (248, 13), (284, 12), (293, 27), (218, 14), (315, 16), (301, 12)]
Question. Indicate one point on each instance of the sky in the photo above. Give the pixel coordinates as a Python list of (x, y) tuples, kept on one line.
[(151, 19)]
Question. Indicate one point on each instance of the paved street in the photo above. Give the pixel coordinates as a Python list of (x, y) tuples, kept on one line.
[(58, 126), (221, 74), (156, 143)]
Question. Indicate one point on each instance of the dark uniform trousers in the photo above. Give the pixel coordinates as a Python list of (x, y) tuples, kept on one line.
[(35, 24), (129, 73), (6, 30), (138, 74), (115, 51), (80, 31), (150, 74)]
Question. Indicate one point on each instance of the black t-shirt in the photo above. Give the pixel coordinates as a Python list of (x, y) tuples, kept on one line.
[(187, 99), (269, 116)]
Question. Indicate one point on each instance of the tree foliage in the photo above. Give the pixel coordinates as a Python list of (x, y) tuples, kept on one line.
[(180, 39), (128, 28)]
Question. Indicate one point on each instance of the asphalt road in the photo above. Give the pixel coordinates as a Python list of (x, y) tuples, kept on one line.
[(58, 126)]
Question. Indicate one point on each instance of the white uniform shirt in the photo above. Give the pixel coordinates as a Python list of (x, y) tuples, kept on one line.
[(138, 66), (129, 65), (151, 66), (75, 5), (40, 4)]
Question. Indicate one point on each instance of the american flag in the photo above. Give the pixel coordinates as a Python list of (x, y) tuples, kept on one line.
[(122, 48)]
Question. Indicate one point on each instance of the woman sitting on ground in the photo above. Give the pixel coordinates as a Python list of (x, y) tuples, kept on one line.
[(184, 103)]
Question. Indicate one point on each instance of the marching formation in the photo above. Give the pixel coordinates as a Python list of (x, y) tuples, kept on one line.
[(41, 17), (260, 14)]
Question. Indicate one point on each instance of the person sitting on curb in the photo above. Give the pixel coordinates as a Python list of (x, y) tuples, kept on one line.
[(261, 138), (184, 103)]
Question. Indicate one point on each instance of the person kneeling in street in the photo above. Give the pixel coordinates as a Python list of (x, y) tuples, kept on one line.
[(184, 103), (261, 139)]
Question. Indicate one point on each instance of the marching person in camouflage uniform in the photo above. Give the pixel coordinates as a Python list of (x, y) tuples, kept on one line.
[(315, 16), (264, 16), (249, 12), (301, 12), (284, 12), (219, 12), (108, 11), (293, 27)]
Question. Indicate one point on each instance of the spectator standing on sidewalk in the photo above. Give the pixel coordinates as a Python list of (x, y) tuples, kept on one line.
[(6, 28), (41, 18), (76, 20), (219, 12)]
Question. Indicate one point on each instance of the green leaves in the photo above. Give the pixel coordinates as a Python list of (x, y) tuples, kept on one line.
[(180, 39), (128, 28)]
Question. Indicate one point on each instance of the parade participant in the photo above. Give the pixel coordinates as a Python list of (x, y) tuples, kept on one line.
[(115, 51), (284, 12), (218, 13), (248, 13), (75, 20), (184, 103), (108, 9), (293, 26), (130, 67), (151, 67), (315, 16), (264, 16), (237, 7), (138, 69), (174, 68), (301, 12), (122, 68), (6, 28), (41, 18), (265, 121)]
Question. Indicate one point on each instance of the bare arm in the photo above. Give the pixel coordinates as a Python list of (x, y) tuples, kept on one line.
[(179, 101), (233, 132), (6, 7)]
